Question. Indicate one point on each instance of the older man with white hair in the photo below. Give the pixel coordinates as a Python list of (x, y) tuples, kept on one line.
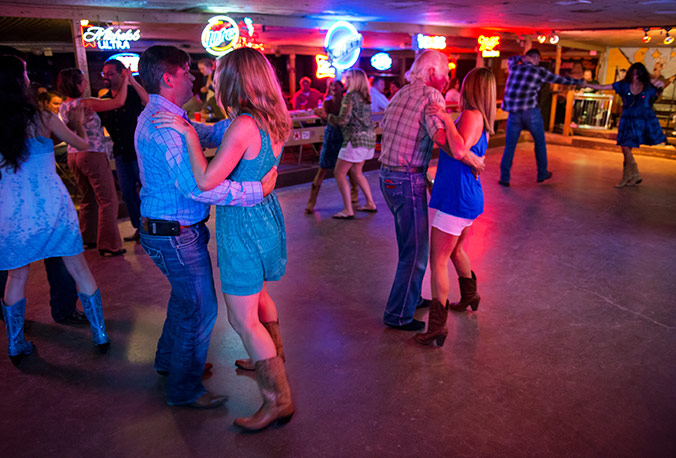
[(408, 138)]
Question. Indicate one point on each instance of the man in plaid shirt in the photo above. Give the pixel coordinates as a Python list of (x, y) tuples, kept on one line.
[(408, 138), (173, 233), (520, 100)]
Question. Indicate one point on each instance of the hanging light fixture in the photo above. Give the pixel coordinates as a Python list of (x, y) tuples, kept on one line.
[(553, 38), (646, 38), (668, 39), (542, 38)]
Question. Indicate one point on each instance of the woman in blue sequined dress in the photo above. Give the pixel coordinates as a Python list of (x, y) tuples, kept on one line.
[(251, 241), (638, 124), (37, 216)]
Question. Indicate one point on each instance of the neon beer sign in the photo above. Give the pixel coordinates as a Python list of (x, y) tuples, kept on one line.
[(488, 45), (342, 45), (430, 41), (324, 68), (107, 38), (129, 60), (381, 61), (220, 35)]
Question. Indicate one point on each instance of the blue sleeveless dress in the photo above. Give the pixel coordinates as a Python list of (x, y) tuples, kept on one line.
[(456, 192), (251, 241), (37, 216)]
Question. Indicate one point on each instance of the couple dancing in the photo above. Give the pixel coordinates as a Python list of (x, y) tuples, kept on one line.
[(178, 189)]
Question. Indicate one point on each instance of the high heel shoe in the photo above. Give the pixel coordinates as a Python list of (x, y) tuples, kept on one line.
[(18, 347), (94, 310), (436, 329), (468, 295), (106, 252)]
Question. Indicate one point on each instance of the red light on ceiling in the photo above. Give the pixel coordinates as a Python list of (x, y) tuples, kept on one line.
[(542, 38), (646, 38), (451, 65)]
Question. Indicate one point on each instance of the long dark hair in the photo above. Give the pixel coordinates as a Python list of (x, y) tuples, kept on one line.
[(17, 114), (643, 75)]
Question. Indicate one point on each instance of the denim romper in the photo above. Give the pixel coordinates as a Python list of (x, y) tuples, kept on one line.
[(251, 241)]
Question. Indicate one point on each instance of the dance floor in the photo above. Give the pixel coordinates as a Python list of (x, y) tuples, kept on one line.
[(572, 351)]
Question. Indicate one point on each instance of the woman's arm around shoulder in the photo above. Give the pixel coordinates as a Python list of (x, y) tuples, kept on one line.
[(241, 135), (54, 124), (96, 104)]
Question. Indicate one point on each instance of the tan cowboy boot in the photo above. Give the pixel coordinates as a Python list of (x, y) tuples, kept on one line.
[(273, 329), (277, 403)]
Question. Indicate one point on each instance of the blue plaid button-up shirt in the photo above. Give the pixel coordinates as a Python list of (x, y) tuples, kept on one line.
[(524, 82), (169, 189)]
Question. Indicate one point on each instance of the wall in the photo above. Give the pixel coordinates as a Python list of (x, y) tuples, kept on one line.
[(660, 62)]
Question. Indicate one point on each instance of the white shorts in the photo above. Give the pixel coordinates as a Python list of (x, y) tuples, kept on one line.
[(450, 224), (357, 154)]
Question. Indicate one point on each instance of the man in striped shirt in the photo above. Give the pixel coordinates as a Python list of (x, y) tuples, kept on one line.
[(523, 84), (409, 136), (173, 230)]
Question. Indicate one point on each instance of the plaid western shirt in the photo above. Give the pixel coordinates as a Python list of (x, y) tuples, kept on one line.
[(407, 131), (524, 82), (355, 122), (169, 189)]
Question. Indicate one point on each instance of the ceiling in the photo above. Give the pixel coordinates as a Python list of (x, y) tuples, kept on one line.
[(584, 23)]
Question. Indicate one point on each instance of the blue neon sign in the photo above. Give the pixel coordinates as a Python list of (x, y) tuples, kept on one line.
[(343, 45), (381, 61)]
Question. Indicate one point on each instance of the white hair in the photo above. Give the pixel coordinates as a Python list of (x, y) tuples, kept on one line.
[(427, 59)]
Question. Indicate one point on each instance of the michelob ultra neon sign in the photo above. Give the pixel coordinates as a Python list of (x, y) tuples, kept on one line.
[(107, 38)]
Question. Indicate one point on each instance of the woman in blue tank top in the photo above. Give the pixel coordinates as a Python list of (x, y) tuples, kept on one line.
[(251, 241), (458, 199)]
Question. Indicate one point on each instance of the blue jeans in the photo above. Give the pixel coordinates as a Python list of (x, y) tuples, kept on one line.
[(191, 312), (128, 177), (62, 291), (406, 196), (531, 120)]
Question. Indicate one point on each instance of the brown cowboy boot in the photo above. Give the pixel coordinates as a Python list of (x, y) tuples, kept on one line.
[(436, 329), (273, 330), (468, 295), (635, 178), (312, 201), (626, 175), (277, 403)]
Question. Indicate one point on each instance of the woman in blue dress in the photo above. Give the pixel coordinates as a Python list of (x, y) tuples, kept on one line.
[(333, 140), (251, 241), (458, 199), (37, 216), (638, 123)]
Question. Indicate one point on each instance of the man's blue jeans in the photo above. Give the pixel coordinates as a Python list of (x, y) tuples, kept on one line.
[(406, 196), (531, 120), (128, 177), (191, 313)]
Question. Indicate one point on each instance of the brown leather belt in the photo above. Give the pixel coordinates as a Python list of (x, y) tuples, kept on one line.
[(404, 168)]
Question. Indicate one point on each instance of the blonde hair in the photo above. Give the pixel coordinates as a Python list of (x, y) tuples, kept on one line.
[(420, 70), (478, 93), (358, 83), (247, 83)]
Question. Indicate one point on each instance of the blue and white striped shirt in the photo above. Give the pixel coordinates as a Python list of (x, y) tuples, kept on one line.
[(169, 189)]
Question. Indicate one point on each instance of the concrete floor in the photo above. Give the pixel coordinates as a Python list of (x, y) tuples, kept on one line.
[(571, 352)]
